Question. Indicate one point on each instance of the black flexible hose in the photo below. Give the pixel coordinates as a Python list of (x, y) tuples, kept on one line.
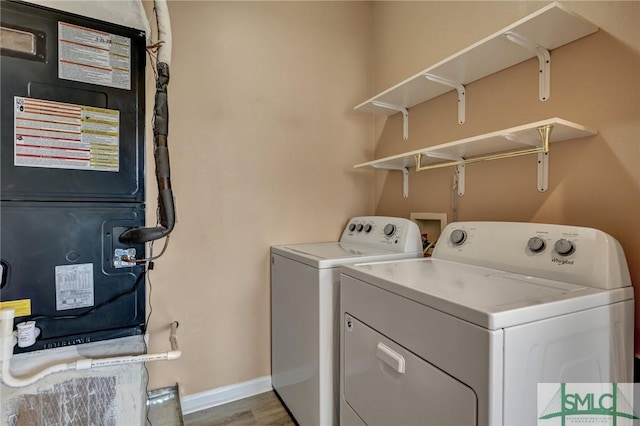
[(163, 173)]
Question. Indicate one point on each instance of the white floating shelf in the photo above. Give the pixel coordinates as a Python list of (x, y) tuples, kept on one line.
[(548, 28), (508, 142)]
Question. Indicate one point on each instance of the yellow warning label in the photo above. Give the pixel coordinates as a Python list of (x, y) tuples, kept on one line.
[(98, 132), (22, 306), (100, 110), (91, 120), (57, 135)]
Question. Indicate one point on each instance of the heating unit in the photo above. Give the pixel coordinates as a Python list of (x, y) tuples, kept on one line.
[(72, 174), (72, 189)]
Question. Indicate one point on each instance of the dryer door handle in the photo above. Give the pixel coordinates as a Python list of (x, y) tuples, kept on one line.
[(390, 357)]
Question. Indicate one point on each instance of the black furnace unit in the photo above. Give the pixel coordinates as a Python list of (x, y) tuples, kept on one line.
[(71, 174)]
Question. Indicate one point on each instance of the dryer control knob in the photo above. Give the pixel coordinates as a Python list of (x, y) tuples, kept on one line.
[(564, 247), (359, 227), (536, 244), (352, 227), (367, 228), (458, 237), (390, 229)]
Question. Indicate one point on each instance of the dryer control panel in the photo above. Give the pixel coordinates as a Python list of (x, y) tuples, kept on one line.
[(573, 254), (392, 233)]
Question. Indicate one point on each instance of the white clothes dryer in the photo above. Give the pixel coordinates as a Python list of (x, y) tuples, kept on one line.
[(305, 310), (464, 337)]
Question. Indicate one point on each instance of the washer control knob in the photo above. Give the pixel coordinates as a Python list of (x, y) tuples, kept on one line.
[(390, 229), (458, 237), (367, 228), (359, 227), (536, 244), (352, 227), (564, 247)]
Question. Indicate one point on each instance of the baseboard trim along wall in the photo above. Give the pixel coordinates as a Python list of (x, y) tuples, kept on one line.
[(218, 396), (222, 395)]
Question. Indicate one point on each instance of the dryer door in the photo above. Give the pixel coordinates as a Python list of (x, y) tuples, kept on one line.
[(385, 384)]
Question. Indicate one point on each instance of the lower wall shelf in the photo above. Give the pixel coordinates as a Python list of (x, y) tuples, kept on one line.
[(532, 138)]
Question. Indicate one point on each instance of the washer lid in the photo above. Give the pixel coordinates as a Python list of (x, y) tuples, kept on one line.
[(328, 255), (487, 297)]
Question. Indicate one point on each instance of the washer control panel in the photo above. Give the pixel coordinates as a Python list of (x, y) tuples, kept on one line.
[(573, 254), (391, 233)]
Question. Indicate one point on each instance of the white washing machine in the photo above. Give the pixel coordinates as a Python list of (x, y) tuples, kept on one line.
[(464, 337), (305, 320)]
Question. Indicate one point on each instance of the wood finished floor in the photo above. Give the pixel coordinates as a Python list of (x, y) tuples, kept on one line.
[(264, 409)]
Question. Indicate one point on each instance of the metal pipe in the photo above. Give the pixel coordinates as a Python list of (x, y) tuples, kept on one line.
[(544, 131)]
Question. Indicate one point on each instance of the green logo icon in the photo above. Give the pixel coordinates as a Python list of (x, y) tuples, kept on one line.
[(583, 403)]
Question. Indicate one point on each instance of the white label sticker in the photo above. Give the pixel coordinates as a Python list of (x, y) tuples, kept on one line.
[(65, 136), (94, 57), (74, 286)]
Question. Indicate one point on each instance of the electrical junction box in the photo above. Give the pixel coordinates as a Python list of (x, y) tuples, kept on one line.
[(72, 174)]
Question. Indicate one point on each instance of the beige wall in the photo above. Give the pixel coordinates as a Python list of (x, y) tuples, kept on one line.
[(594, 182), (263, 137)]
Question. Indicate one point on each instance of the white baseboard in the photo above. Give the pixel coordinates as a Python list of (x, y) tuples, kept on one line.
[(214, 397)]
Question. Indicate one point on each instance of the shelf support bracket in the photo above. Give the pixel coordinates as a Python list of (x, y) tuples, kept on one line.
[(405, 178), (459, 88), (544, 62), (458, 162), (543, 158), (460, 173), (405, 116), (405, 182)]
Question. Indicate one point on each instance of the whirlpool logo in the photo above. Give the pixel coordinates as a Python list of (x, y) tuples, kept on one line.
[(561, 404), (559, 261)]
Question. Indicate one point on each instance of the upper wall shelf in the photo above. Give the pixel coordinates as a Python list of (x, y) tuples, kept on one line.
[(532, 138), (534, 35)]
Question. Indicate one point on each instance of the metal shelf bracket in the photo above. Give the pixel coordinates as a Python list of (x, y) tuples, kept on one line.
[(405, 116), (405, 179), (460, 168), (543, 158), (458, 162), (460, 173), (405, 182), (459, 88), (544, 62)]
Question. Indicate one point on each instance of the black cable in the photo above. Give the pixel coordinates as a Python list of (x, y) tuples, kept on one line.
[(95, 308)]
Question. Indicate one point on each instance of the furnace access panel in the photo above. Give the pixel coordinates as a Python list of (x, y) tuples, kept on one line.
[(71, 174), (75, 88)]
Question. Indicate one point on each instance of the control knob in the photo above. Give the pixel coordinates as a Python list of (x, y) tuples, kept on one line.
[(352, 227), (458, 237), (564, 247), (390, 229), (536, 244), (359, 227), (367, 228)]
